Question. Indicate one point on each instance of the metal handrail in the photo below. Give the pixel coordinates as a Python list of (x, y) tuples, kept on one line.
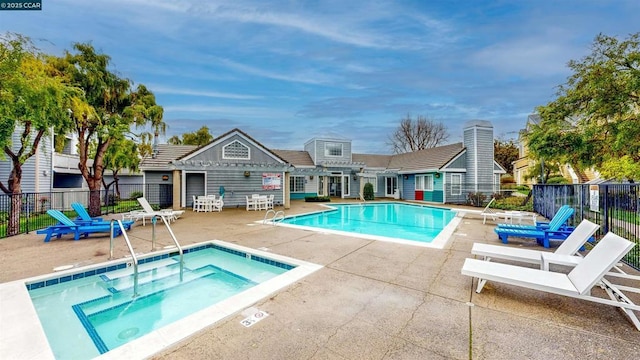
[(264, 220), (175, 241), (133, 254), (274, 218)]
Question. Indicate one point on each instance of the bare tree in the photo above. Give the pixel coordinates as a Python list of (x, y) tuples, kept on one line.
[(418, 134)]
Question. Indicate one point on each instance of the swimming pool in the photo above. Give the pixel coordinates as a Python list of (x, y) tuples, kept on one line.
[(92, 310), (390, 221)]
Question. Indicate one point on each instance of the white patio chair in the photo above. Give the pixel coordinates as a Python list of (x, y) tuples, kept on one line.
[(217, 204), (590, 271), (251, 203), (269, 204), (199, 203)]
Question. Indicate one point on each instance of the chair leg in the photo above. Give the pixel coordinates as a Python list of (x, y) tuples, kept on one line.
[(481, 283)]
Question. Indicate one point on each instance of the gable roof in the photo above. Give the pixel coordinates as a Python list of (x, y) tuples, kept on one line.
[(427, 159), (225, 136), (164, 155)]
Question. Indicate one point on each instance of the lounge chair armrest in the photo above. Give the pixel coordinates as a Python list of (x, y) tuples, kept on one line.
[(552, 258)]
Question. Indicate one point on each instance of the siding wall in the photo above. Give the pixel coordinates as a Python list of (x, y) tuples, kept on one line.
[(310, 147), (33, 170), (409, 187), (459, 163), (237, 186), (478, 139), (317, 151)]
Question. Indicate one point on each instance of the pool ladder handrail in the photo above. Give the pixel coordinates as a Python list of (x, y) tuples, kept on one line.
[(133, 254), (275, 217), (175, 241)]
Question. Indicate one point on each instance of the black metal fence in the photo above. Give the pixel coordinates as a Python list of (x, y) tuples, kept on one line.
[(615, 207), (32, 214)]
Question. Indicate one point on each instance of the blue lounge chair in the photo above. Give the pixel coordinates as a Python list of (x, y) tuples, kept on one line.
[(67, 226), (562, 216), (542, 235), (83, 215)]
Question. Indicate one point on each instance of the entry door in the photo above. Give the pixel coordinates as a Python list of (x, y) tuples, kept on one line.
[(391, 186), (194, 187), (335, 186)]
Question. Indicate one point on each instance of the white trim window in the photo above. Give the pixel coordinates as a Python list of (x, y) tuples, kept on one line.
[(496, 183), (332, 149), (296, 184), (424, 182), (456, 184), (236, 150)]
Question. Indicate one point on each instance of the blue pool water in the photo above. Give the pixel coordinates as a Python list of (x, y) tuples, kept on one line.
[(90, 313), (389, 220)]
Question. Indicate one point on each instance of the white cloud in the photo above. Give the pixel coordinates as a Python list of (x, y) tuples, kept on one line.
[(163, 89)]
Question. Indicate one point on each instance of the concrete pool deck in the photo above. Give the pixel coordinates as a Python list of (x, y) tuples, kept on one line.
[(372, 299)]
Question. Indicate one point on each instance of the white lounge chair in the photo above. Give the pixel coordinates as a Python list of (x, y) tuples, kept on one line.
[(170, 214), (148, 212), (590, 271), (565, 254), (507, 215)]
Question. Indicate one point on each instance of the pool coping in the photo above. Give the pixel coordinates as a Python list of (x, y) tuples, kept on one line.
[(27, 339), (439, 242)]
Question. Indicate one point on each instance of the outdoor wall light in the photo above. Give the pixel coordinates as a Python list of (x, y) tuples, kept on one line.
[(310, 177), (406, 177), (437, 175), (247, 174)]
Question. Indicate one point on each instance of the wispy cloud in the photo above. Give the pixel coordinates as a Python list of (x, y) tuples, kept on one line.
[(162, 89)]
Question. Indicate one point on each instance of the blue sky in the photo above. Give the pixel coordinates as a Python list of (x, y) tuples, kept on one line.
[(285, 71)]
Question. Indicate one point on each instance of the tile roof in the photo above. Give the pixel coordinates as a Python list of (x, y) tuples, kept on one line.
[(372, 160), (166, 153), (295, 157), (433, 158)]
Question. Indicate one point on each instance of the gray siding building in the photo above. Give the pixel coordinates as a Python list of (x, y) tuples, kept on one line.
[(237, 166)]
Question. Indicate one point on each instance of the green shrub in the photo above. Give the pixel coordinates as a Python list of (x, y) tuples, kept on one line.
[(476, 198), (317, 199), (507, 179), (136, 194), (557, 180), (368, 192), (514, 203)]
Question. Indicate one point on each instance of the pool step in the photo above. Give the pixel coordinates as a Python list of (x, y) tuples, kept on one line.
[(124, 292), (211, 273), (125, 280), (110, 322)]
